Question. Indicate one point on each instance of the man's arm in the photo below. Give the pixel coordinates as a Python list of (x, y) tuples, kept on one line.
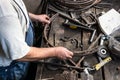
[(40, 53), (41, 18)]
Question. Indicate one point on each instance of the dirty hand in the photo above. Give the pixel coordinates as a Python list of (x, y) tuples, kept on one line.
[(43, 18), (63, 53)]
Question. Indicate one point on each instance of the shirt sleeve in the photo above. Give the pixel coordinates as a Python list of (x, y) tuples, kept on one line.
[(12, 39)]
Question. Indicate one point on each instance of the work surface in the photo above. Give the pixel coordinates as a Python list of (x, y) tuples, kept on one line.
[(80, 32), (110, 71)]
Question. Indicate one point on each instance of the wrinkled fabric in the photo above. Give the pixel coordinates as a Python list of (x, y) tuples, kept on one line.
[(14, 23), (18, 70)]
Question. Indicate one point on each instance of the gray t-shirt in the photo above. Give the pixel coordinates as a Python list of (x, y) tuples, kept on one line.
[(14, 22)]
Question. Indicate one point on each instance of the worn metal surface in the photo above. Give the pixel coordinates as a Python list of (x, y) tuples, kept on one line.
[(80, 33)]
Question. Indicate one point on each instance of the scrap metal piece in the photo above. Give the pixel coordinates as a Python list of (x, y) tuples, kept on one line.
[(47, 26), (88, 75), (102, 63), (114, 42), (73, 5), (86, 52), (102, 52), (69, 67), (73, 75)]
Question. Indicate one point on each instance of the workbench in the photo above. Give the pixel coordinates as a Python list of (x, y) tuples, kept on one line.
[(62, 35)]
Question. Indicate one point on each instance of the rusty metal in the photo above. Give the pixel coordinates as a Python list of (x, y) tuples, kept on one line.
[(71, 5), (67, 75), (69, 67), (66, 16), (95, 42), (75, 39), (46, 27), (86, 52), (79, 62)]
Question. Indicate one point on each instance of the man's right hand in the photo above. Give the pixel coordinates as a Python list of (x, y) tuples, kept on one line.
[(63, 53)]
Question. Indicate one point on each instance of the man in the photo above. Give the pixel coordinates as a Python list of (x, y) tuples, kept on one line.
[(16, 37)]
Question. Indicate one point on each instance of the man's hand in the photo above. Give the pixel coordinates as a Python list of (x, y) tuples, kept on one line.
[(63, 53), (41, 18)]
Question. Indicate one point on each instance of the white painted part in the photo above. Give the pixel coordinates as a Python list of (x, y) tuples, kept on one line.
[(110, 21)]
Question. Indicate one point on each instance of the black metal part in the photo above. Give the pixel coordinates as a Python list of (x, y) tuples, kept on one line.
[(66, 16), (78, 26), (45, 29), (103, 52)]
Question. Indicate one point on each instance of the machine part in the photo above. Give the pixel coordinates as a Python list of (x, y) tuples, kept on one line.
[(89, 18), (103, 39), (79, 62), (67, 75), (74, 26), (102, 63), (88, 75), (82, 53), (66, 16), (114, 46), (95, 42), (109, 22), (73, 6), (90, 70), (93, 35), (114, 43), (78, 26), (73, 15), (53, 60), (86, 52), (46, 27), (69, 67), (102, 52)]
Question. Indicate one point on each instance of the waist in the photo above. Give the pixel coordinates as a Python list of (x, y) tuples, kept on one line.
[(7, 65), (14, 64), (4, 62)]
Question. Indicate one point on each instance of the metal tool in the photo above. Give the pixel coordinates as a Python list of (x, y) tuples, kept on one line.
[(62, 65), (102, 63), (47, 26), (89, 76), (103, 54)]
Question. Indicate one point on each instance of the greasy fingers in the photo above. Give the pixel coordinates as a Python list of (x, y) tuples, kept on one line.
[(63, 53)]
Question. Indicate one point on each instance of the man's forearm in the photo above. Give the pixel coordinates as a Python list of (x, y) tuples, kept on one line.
[(33, 17), (38, 53)]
